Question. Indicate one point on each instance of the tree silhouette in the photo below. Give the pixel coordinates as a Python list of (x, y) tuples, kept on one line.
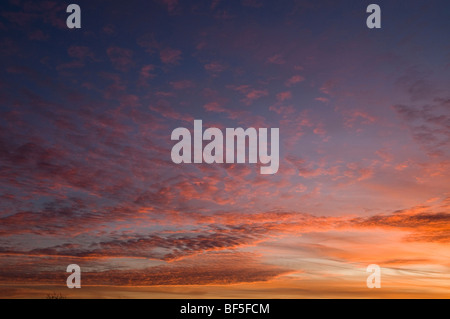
[(55, 295)]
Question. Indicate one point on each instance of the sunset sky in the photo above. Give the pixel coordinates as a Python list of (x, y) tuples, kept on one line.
[(86, 175)]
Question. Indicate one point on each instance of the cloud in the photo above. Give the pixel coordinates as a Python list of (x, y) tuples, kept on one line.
[(164, 108), (216, 269), (253, 95), (352, 117), (183, 84), (294, 80), (172, 5), (250, 94), (210, 269), (429, 125), (81, 52), (417, 84), (322, 99), (310, 169), (276, 59), (422, 224), (146, 74), (38, 35), (214, 4), (22, 19), (328, 87), (283, 96), (170, 56), (168, 247), (215, 67), (214, 107), (121, 58), (252, 3), (208, 249), (109, 29), (149, 42)]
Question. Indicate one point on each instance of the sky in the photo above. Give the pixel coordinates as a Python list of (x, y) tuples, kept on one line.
[(86, 175)]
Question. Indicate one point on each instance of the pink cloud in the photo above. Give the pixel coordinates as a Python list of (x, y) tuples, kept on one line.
[(250, 93), (149, 42), (358, 173), (215, 67), (164, 94), (170, 56), (20, 18), (320, 130), (328, 87), (252, 3), (283, 110), (183, 84), (108, 29), (121, 58), (241, 88), (294, 80), (322, 99), (276, 59), (129, 100), (145, 74), (213, 107), (214, 4), (164, 108), (172, 5), (38, 35), (80, 52), (254, 95), (145, 71), (283, 96), (70, 65), (353, 116)]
